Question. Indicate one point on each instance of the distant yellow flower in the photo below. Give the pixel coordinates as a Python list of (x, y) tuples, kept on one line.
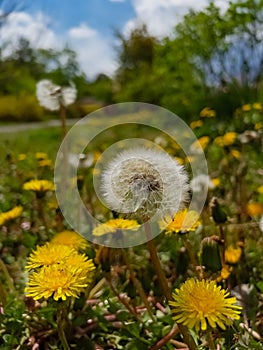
[(196, 124), (232, 255), (189, 159), (199, 304), (200, 144), (215, 181), (255, 208), (246, 108), (10, 214), (226, 140), (258, 126), (207, 113), (183, 221), (45, 162), (260, 189), (41, 155), (115, 225), (179, 160), (49, 254), (257, 106), (21, 156), (71, 239), (57, 281), (235, 153), (39, 186), (225, 273)]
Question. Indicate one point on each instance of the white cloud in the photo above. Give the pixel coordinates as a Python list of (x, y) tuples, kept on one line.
[(161, 16), (82, 32), (95, 53), (34, 29)]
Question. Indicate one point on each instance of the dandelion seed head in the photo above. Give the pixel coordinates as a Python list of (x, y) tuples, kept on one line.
[(144, 181), (52, 96)]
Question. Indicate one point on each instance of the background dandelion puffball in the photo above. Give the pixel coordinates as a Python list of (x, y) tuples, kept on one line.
[(142, 182), (140, 178), (52, 96)]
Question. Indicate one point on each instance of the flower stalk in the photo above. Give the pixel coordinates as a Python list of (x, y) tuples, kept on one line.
[(62, 321)]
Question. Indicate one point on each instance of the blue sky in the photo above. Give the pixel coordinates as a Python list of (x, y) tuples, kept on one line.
[(103, 15), (87, 26)]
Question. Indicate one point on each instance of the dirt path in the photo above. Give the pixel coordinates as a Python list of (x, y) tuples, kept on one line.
[(33, 125)]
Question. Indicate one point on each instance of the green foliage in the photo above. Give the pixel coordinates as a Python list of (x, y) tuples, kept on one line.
[(22, 108)]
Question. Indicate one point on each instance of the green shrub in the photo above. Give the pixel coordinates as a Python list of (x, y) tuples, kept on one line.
[(20, 108)]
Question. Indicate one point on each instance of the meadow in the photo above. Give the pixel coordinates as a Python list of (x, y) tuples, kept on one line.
[(60, 291)]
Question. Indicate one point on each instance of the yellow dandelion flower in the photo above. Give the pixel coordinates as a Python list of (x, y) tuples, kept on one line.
[(246, 108), (41, 155), (232, 255), (196, 124), (49, 254), (10, 214), (21, 156), (39, 186), (189, 159), (199, 304), (226, 140), (179, 160), (183, 221), (207, 113), (200, 144), (215, 181), (255, 208), (235, 153), (257, 106), (44, 162), (260, 189), (225, 273), (56, 281), (71, 239), (83, 262), (115, 225)]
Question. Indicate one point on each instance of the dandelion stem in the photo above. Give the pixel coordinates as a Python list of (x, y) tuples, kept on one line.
[(210, 341), (61, 324), (190, 251), (156, 262), (9, 279), (63, 120), (122, 300), (137, 284), (188, 339)]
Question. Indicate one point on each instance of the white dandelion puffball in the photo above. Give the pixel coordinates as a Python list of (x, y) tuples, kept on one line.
[(52, 96), (144, 182)]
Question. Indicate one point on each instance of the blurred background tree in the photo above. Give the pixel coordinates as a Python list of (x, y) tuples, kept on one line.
[(214, 58)]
